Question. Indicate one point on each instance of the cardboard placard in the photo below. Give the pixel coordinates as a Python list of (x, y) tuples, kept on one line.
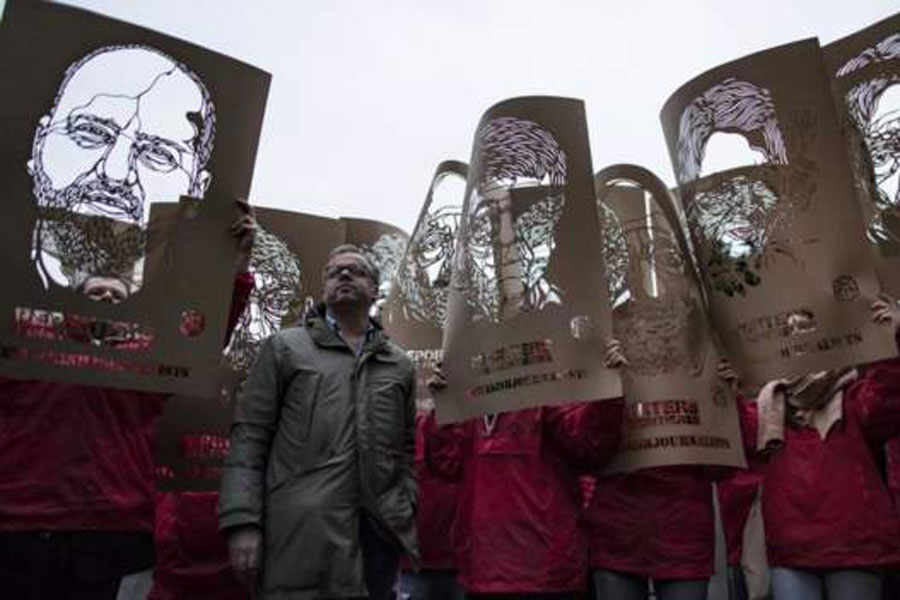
[(788, 274), (415, 313), (678, 410), (101, 121), (528, 316), (865, 72)]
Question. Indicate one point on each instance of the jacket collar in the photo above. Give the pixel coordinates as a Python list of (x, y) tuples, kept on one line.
[(323, 335)]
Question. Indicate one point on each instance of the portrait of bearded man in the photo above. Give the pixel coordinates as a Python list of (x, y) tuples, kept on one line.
[(129, 125)]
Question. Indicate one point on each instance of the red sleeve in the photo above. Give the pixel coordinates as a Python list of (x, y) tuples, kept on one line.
[(877, 397), (240, 296), (445, 448), (588, 433)]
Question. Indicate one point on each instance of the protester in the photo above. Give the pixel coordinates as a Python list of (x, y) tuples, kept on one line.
[(830, 523), (319, 481), (651, 524), (436, 575), (518, 531), (76, 497)]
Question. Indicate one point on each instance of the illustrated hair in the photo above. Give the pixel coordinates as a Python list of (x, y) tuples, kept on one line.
[(730, 106), (509, 149), (862, 99)]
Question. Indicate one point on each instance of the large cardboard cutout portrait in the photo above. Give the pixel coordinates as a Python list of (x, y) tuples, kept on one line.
[(103, 121), (787, 272), (865, 68), (527, 321), (415, 313), (679, 412)]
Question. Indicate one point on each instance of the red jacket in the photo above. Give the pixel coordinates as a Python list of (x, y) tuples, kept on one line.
[(436, 511), (892, 468), (191, 555), (736, 492), (825, 504), (79, 457), (654, 522), (517, 519)]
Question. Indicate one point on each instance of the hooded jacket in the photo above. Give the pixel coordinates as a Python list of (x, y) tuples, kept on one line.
[(824, 502), (320, 436), (517, 529)]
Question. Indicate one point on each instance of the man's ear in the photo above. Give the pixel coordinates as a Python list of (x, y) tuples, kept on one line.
[(43, 125)]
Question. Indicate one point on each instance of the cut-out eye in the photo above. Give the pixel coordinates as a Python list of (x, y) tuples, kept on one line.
[(156, 156), (90, 133)]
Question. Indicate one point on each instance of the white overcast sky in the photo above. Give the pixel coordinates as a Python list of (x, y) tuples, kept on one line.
[(368, 96)]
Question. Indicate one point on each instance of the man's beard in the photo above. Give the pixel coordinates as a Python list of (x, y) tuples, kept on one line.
[(88, 245), (98, 197)]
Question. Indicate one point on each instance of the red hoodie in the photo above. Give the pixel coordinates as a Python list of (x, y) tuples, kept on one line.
[(654, 522), (517, 528), (437, 509), (825, 503)]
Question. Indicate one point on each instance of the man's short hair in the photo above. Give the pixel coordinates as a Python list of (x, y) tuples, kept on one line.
[(374, 272)]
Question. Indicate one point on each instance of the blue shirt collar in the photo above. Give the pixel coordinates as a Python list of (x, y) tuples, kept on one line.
[(334, 326)]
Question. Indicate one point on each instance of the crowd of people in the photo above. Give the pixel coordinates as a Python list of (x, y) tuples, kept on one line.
[(319, 495)]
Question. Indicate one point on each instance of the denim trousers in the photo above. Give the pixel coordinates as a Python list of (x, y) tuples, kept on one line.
[(615, 585), (815, 584)]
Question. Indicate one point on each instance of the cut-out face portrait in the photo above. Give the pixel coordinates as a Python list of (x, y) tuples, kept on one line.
[(517, 202), (873, 104), (656, 318), (385, 254), (425, 283), (276, 300), (129, 126), (735, 214)]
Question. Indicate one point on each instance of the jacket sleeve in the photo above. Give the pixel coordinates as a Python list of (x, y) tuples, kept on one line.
[(240, 297), (588, 433), (877, 397), (445, 448), (255, 421)]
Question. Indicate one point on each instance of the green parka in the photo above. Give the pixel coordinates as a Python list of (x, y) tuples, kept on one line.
[(321, 434)]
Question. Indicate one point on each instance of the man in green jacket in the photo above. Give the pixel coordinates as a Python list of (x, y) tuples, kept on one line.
[(319, 487)]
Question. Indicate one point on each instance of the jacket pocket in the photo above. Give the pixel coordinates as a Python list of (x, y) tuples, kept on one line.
[(386, 415)]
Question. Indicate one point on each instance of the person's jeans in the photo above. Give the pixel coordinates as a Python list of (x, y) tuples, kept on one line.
[(381, 559), (615, 585), (803, 584), (521, 596), (430, 585)]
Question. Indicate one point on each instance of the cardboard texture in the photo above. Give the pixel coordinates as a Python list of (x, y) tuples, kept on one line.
[(865, 71), (678, 410), (101, 121), (787, 272), (528, 316), (415, 313), (286, 263)]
